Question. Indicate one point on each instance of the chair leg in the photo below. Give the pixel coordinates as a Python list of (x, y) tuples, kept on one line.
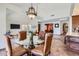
[(47, 54), (29, 53)]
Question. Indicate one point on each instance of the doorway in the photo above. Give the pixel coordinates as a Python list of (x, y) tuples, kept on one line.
[(65, 28)]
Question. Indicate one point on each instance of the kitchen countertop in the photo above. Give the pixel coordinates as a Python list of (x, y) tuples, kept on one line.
[(76, 34)]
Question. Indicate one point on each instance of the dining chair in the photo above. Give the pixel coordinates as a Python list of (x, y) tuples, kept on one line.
[(13, 51), (42, 35), (22, 35), (44, 49)]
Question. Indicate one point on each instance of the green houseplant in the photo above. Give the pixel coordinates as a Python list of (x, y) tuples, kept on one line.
[(31, 40)]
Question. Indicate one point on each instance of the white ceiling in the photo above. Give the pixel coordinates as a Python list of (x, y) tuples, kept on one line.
[(45, 10)]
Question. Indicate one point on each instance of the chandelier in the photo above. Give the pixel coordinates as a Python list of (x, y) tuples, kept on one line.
[(31, 13)]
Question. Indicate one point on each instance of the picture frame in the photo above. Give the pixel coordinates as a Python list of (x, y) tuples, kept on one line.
[(57, 25)]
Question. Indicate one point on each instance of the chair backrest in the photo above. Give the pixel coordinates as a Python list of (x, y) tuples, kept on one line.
[(42, 35), (48, 42), (8, 45), (22, 35)]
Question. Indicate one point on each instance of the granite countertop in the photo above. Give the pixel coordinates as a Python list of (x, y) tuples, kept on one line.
[(73, 34)]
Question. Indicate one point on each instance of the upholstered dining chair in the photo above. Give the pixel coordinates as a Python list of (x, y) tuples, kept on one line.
[(42, 35), (43, 50), (22, 35), (13, 51)]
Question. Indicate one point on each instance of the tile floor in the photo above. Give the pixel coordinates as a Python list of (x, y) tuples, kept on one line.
[(58, 48)]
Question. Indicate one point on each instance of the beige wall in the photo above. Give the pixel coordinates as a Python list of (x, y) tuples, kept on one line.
[(2, 21), (2, 26)]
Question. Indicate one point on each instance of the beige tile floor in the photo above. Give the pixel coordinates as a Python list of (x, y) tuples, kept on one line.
[(58, 48)]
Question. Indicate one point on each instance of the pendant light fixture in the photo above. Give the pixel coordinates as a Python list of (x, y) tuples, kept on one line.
[(31, 13)]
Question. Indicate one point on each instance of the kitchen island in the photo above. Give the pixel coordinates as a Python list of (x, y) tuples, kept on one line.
[(72, 41)]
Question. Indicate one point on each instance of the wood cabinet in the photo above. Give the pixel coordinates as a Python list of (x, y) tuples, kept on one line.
[(75, 21)]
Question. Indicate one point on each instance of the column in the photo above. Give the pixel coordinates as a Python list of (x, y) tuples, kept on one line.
[(70, 24)]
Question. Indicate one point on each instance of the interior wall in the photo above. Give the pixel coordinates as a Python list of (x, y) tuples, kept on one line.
[(55, 30), (2, 21), (2, 25), (60, 21), (15, 18), (20, 21)]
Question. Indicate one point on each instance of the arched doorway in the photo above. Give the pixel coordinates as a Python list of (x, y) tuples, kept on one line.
[(65, 28)]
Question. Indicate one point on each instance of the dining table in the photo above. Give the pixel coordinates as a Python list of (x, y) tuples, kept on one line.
[(26, 43)]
